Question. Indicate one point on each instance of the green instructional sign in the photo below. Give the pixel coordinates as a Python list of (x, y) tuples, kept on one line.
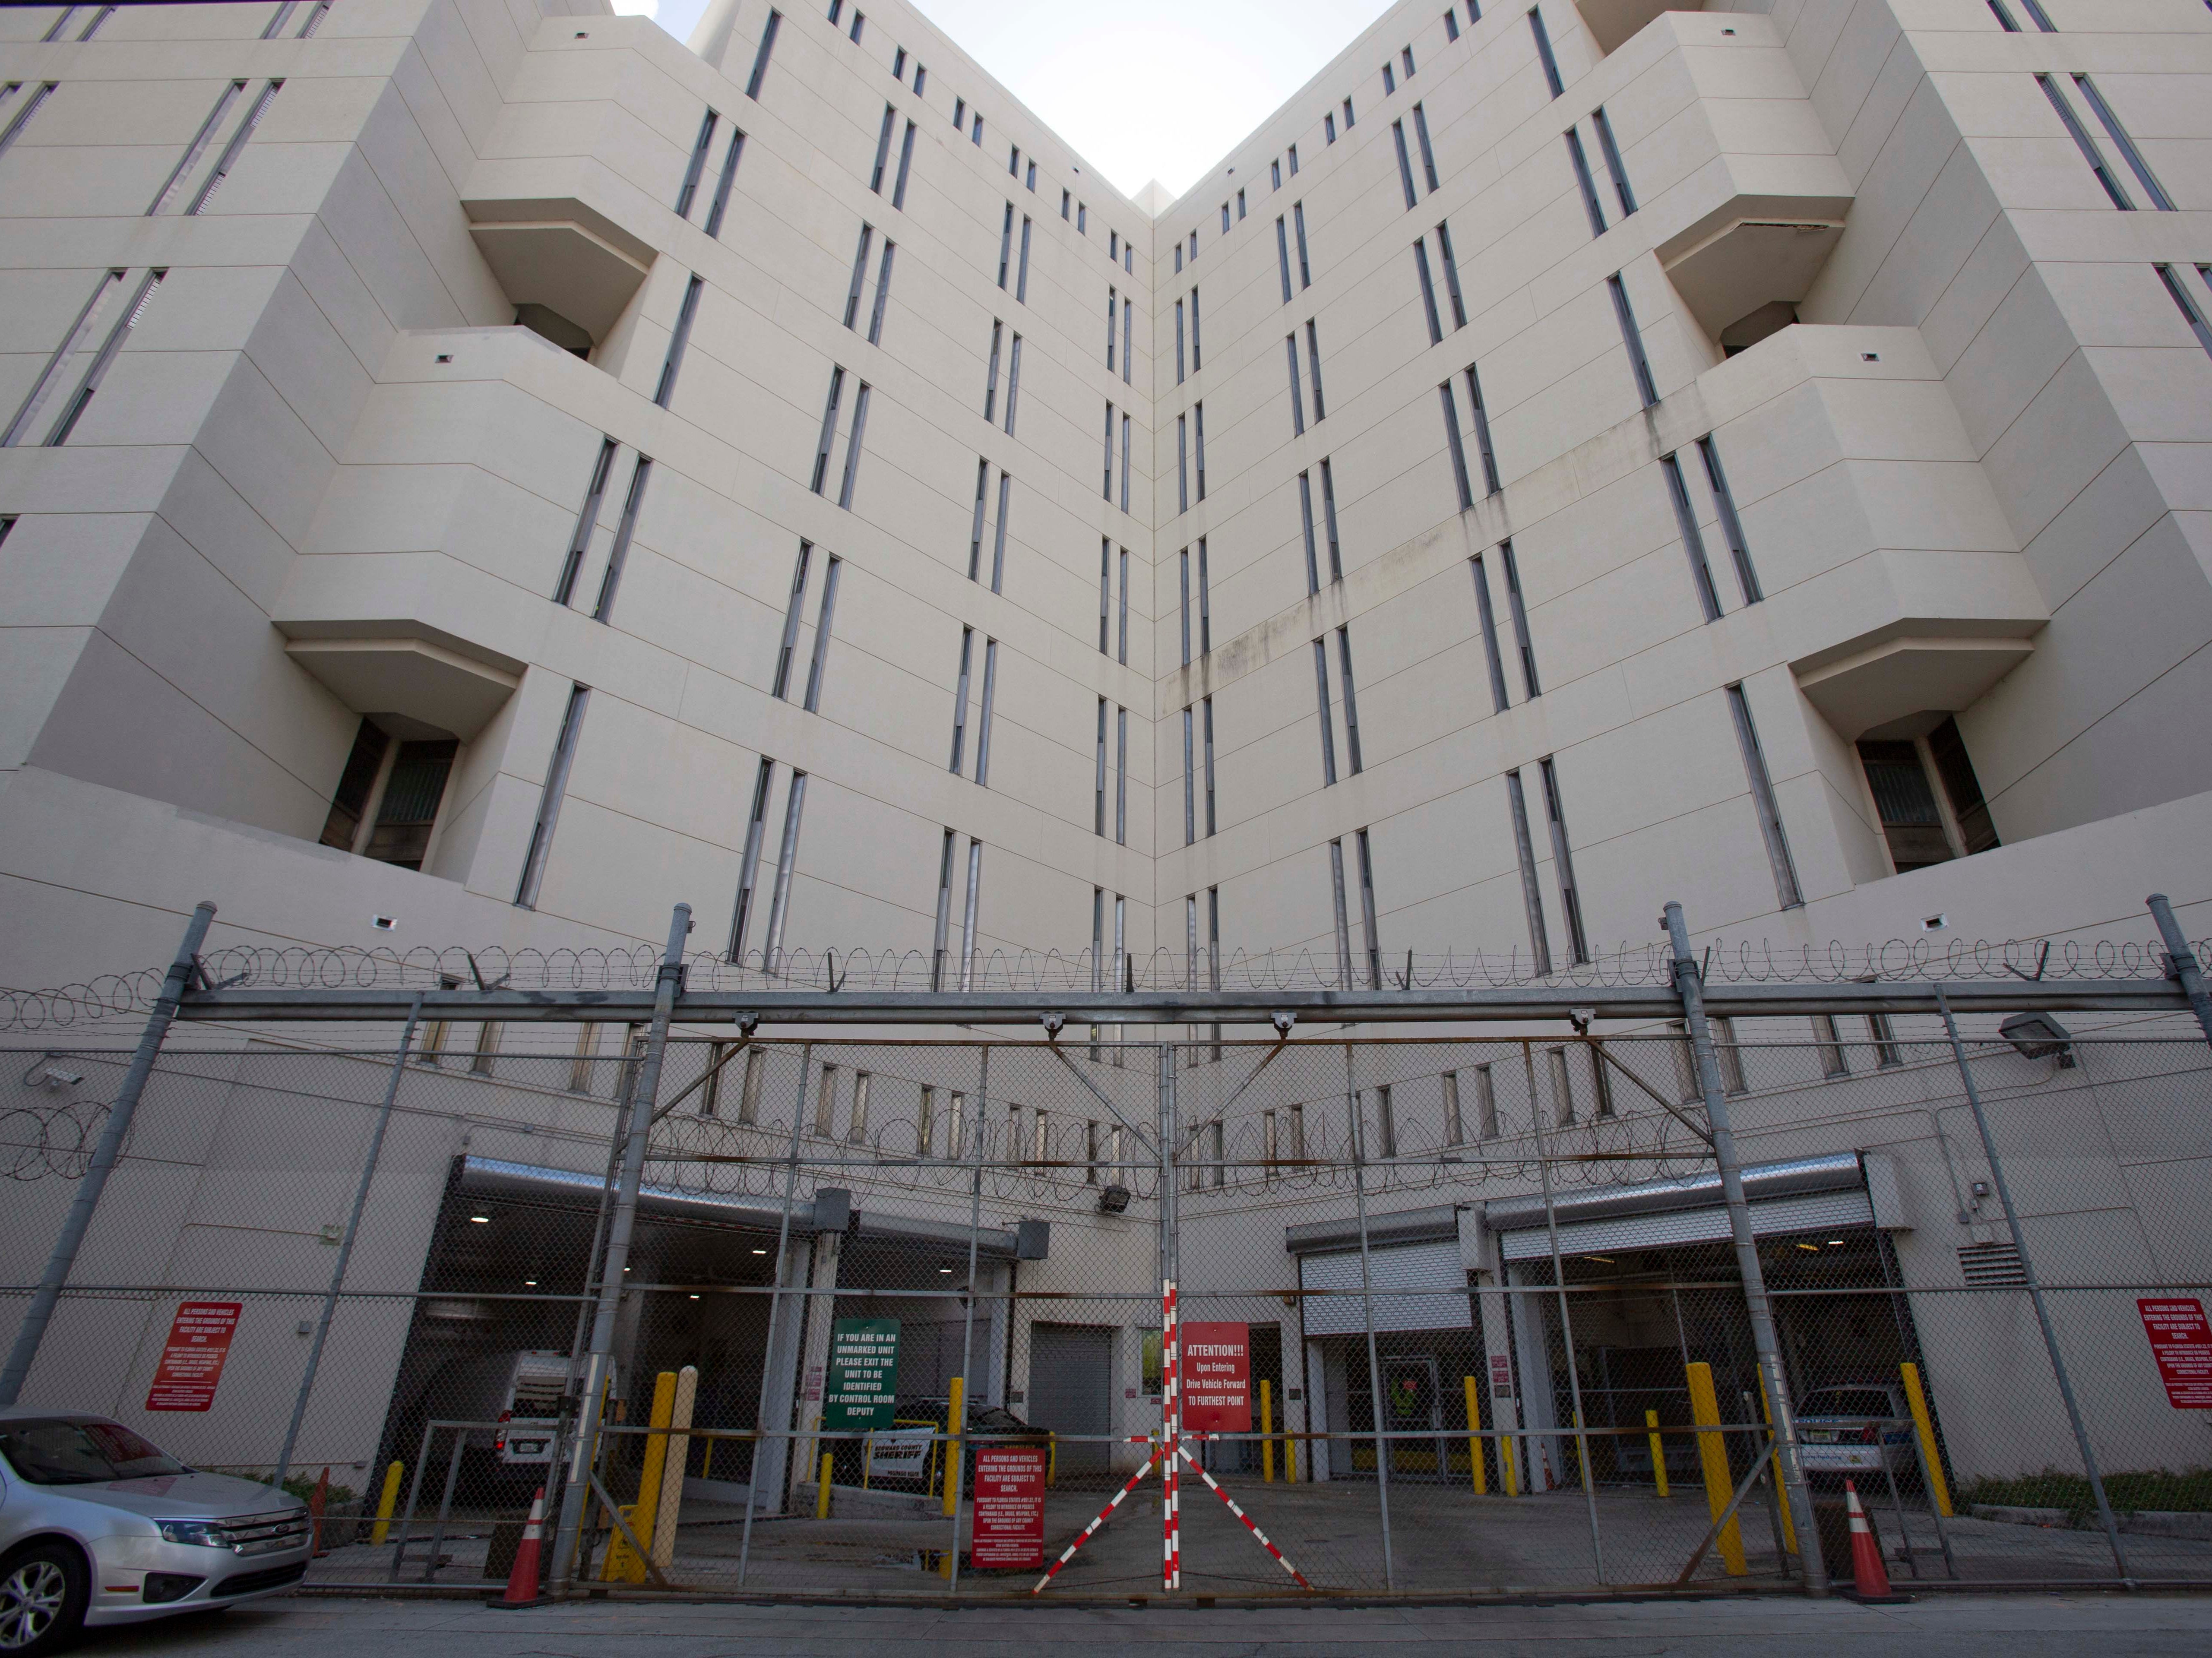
[(863, 1382)]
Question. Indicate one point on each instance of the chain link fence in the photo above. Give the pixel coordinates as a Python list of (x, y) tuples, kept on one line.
[(1449, 1315)]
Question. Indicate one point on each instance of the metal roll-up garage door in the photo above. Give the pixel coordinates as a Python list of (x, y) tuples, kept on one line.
[(1813, 1211), (1411, 1267)]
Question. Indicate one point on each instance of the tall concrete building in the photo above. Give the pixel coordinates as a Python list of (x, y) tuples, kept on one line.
[(479, 471)]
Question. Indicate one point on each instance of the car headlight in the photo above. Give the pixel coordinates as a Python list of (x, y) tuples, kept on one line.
[(208, 1534)]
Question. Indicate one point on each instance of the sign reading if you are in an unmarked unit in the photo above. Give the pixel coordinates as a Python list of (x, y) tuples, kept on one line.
[(862, 1389)]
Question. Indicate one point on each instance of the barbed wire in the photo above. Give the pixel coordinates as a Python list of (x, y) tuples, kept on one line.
[(103, 1000)]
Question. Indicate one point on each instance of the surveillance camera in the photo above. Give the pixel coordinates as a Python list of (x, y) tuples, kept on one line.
[(1051, 1022), (1282, 1020), (59, 1079), (1580, 1018)]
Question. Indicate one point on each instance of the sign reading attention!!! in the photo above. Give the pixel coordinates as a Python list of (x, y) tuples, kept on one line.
[(1217, 1377), (863, 1382)]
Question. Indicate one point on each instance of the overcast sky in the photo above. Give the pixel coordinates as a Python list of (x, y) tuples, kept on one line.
[(1143, 89)]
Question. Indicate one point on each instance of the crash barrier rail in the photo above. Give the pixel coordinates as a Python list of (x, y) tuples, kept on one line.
[(1437, 1313)]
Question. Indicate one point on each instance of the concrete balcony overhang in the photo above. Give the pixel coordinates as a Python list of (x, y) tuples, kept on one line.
[(1612, 22), (1888, 680), (1752, 251), (560, 233), (419, 635)]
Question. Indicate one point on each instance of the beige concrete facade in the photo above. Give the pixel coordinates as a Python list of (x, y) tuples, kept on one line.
[(326, 474)]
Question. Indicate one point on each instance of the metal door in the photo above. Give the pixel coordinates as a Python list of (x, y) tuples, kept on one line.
[(1411, 1402), (1071, 1388)]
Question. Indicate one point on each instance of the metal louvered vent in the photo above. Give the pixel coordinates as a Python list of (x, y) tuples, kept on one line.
[(1991, 1267)]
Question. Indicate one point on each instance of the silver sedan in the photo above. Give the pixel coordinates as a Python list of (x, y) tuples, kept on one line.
[(98, 1526)]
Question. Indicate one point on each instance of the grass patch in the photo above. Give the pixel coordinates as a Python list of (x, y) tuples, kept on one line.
[(2160, 1490)]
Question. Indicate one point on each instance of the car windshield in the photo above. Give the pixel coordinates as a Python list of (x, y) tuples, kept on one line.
[(1847, 1402), (57, 1451)]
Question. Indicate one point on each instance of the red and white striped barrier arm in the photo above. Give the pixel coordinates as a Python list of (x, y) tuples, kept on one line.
[(1249, 1525), (1104, 1514), (1171, 1439)]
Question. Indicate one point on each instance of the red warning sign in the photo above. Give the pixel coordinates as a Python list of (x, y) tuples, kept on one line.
[(1009, 1507), (1217, 1377), (192, 1362), (2181, 1342)]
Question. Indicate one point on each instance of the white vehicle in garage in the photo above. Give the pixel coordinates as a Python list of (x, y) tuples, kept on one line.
[(99, 1527)]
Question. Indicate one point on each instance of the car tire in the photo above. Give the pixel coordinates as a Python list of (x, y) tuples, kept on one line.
[(44, 1590)]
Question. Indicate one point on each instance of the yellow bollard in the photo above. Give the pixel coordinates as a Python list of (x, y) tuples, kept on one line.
[(1658, 1451), (1052, 1459), (676, 1456), (1712, 1454), (1267, 1435), (1916, 1401), (1774, 1471), (822, 1490), (955, 1419), (1474, 1439), (623, 1564), (389, 1500)]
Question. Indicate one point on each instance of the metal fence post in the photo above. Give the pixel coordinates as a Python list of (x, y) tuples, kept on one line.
[(2035, 1293), (1367, 1306), (955, 1443), (774, 1304), (639, 1128), (2181, 962), (1567, 1317), (1690, 986), (78, 1220), (345, 1245)]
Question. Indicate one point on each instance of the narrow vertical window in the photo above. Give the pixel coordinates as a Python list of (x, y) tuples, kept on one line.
[(860, 273), (1351, 701), (1694, 544), (224, 162), (678, 339), (1198, 438), (1406, 56), (1105, 589), (1299, 223), (1121, 643), (761, 56), (1022, 280), (79, 334), (2125, 145), (1428, 290), (1098, 810), (1763, 801), (905, 166), (1297, 397), (1603, 124), (587, 519), (1454, 447), (1128, 361), (1206, 711), (1405, 164), (1487, 617), (1451, 276), (779, 686), (1544, 51), (1125, 447), (899, 64), (721, 202), (1189, 779), (2003, 17), (1313, 367), (976, 526), (941, 934), (998, 536), (1014, 160), (1348, 119), (322, 10), (1428, 154), (1113, 298), (2085, 145), (1532, 899), (1120, 777), (1632, 337), (193, 151), (1390, 81), (1013, 382), (2191, 312), (786, 862), (818, 665), (1224, 218), (1731, 525), (991, 372), (1451, 31), (1106, 469), (1371, 928), (1328, 731), (883, 150), (1520, 611), (1563, 863), (1586, 183), (1283, 255), (975, 132), (618, 554), (829, 430), (1240, 207), (859, 22), (960, 701), (853, 446), (1306, 518), (1182, 468), (983, 713), (1291, 154), (2034, 8), (1344, 979), (1005, 245), (1179, 357), (1482, 432), (959, 112), (748, 860), (1197, 350), (1328, 520), (883, 299), (551, 797), (697, 166), (1182, 571)]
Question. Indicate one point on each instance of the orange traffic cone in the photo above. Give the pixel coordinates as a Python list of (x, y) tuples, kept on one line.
[(316, 1501), (1871, 1578), (522, 1582)]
